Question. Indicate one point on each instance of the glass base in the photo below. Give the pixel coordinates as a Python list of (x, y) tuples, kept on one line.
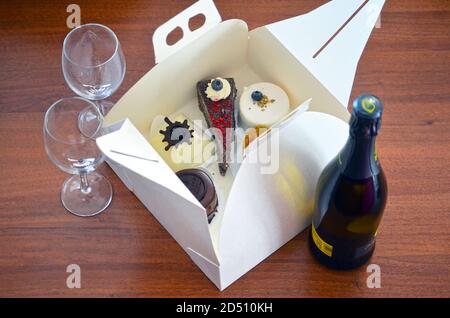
[(91, 202)]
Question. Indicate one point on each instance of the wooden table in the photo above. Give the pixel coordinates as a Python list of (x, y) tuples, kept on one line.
[(126, 252)]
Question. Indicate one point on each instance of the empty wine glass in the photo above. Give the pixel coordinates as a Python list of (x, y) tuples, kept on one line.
[(87, 192), (93, 63)]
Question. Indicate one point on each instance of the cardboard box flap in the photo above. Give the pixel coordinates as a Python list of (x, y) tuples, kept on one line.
[(329, 41), (264, 209), (127, 147), (211, 270), (181, 20), (161, 191)]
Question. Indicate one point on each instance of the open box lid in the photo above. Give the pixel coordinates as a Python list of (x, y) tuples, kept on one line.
[(333, 38), (328, 41)]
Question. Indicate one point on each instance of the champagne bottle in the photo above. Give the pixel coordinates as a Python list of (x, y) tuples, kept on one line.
[(351, 194)]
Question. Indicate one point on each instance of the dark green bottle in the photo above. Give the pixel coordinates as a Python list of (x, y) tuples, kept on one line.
[(351, 194)]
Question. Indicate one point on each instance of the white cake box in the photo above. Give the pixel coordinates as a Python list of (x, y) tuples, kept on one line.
[(258, 212)]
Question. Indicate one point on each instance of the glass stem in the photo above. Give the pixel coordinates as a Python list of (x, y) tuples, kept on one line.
[(100, 107), (85, 187)]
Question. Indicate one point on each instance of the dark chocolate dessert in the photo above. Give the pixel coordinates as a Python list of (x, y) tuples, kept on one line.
[(216, 100), (202, 187)]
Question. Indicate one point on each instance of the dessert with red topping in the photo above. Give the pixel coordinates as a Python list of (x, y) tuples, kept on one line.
[(216, 101)]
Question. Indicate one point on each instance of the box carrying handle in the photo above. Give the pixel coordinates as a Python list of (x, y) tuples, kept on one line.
[(202, 7)]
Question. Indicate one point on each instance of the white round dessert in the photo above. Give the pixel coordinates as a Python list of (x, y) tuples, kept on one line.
[(266, 112)]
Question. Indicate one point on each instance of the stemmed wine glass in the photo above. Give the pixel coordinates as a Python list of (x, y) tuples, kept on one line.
[(93, 64), (87, 192)]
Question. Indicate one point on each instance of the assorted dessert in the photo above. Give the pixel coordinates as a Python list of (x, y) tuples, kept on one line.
[(202, 187), (262, 105), (185, 147), (181, 144), (252, 133), (216, 99)]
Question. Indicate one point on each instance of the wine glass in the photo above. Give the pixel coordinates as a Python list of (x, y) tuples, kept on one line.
[(93, 63), (87, 192)]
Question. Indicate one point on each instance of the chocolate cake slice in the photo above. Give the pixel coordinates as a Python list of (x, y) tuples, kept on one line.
[(216, 101)]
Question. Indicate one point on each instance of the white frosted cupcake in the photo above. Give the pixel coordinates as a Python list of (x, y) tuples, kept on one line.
[(262, 105)]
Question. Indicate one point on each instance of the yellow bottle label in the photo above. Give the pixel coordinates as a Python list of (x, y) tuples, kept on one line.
[(375, 153), (326, 248)]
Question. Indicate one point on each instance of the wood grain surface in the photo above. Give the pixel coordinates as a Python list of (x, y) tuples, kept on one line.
[(126, 252)]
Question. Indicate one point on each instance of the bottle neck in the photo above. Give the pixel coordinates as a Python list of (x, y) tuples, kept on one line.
[(358, 158)]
